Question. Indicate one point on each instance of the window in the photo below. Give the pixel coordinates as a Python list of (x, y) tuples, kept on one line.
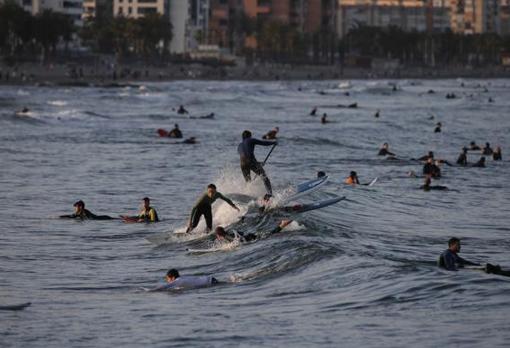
[(130, 10), (146, 10)]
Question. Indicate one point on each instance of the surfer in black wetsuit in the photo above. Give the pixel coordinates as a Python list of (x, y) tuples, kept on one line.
[(81, 213), (249, 162), (384, 150), (321, 174), (313, 112), (203, 207), (222, 235), (487, 150), (182, 110), (496, 155), (438, 128), (324, 118), (427, 156), (474, 147), (176, 132), (427, 185), (431, 169), (462, 159)]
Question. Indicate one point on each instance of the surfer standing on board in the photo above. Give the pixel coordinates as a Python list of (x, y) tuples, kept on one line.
[(203, 207), (249, 162)]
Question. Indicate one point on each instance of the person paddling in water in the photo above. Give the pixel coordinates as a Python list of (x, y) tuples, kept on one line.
[(248, 161), (81, 213), (203, 207), (174, 281)]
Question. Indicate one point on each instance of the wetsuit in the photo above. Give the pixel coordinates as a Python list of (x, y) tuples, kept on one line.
[(437, 130), (428, 168), (462, 160), (384, 152), (175, 133), (188, 282), (450, 261), (149, 215), (86, 214), (487, 151), (496, 156), (203, 207), (480, 164), (249, 162)]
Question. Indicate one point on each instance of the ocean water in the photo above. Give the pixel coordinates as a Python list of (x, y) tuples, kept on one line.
[(359, 273)]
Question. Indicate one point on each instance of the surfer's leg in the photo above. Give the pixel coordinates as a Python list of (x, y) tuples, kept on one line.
[(259, 170), (208, 218), (194, 219), (245, 168)]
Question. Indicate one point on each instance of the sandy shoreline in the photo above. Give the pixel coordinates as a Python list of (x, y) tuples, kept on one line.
[(108, 76)]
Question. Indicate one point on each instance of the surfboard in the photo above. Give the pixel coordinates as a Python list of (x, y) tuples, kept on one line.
[(129, 219), (15, 307), (307, 187), (371, 183), (162, 132), (301, 208)]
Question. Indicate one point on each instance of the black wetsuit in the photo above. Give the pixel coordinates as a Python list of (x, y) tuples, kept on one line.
[(450, 261), (249, 162), (432, 170), (487, 151), (462, 160), (86, 214), (384, 152), (496, 156), (203, 207), (480, 164)]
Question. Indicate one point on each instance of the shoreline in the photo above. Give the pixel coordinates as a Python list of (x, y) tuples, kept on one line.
[(73, 75)]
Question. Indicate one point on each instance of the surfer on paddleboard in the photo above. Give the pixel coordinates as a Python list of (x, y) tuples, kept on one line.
[(174, 281), (203, 207), (147, 214), (249, 162), (81, 213)]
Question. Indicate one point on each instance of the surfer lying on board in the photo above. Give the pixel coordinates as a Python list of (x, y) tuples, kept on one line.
[(147, 214), (81, 213), (174, 281), (451, 261), (222, 235), (203, 207), (248, 161)]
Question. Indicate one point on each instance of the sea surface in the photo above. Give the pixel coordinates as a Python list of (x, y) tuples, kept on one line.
[(361, 273)]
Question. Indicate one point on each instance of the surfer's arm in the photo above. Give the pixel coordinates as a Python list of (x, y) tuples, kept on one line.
[(281, 226), (465, 262), (72, 216), (263, 142), (228, 200)]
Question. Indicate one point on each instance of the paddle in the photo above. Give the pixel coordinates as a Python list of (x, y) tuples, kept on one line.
[(267, 157)]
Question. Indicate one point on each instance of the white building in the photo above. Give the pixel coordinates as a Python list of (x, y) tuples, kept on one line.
[(179, 12), (198, 23), (137, 8)]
